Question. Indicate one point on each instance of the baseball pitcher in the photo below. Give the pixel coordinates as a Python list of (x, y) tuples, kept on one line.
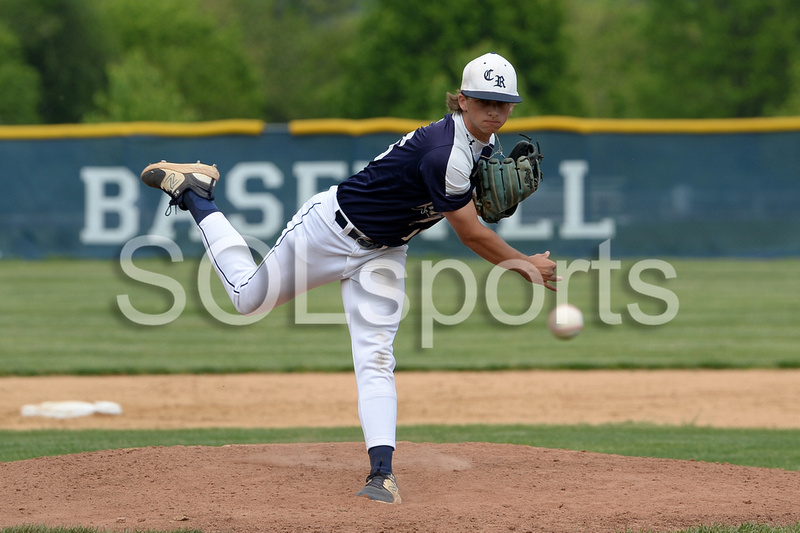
[(357, 233)]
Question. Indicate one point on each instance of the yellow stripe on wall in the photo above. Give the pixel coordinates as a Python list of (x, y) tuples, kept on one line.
[(557, 123), (399, 126), (340, 126), (672, 126), (123, 129)]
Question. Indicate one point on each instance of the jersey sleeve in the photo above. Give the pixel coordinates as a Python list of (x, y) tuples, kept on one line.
[(446, 173)]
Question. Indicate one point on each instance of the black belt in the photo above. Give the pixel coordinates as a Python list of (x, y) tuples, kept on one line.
[(362, 240)]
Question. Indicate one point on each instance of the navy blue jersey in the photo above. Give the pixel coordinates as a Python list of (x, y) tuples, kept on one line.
[(407, 188)]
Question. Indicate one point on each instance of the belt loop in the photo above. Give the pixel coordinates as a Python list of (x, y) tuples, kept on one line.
[(340, 219)]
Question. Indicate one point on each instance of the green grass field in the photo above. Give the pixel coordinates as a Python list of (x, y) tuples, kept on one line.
[(63, 317), (747, 447)]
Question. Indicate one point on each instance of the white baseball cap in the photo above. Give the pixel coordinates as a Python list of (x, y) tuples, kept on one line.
[(490, 77)]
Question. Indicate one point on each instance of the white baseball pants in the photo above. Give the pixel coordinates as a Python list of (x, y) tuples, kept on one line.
[(314, 250)]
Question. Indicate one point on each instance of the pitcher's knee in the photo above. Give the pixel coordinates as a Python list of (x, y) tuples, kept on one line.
[(249, 306)]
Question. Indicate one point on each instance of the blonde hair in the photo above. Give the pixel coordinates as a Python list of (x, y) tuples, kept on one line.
[(452, 103)]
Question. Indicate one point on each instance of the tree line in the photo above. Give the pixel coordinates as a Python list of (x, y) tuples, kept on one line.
[(78, 61)]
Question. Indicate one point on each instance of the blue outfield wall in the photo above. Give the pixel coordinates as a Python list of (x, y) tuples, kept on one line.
[(654, 188)]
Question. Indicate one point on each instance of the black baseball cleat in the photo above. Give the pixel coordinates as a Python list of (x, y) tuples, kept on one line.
[(381, 488), (177, 178)]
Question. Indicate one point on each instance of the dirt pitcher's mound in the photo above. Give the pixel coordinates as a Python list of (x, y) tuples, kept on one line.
[(446, 487)]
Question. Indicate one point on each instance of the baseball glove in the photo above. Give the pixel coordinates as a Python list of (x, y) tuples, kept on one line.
[(501, 184)]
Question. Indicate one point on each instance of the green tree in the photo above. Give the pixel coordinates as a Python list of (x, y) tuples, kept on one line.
[(408, 54), (720, 58), (605, 57), (791, 105), (64, 42), (19, 99), (297, 46), (200, 69), (137, 90)]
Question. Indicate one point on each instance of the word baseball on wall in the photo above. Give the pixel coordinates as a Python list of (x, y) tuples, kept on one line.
[(654, 188)]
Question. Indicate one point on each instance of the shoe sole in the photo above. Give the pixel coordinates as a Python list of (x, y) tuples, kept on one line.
[(380, 496), (383, 495), (170, 177), (185, 168)]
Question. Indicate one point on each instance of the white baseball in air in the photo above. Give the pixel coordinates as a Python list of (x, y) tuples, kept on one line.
[(565, 321)]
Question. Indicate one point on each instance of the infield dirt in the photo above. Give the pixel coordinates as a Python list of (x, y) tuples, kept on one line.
[(446, 487)]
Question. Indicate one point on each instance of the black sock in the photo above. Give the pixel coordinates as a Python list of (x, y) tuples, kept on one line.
[(380, 459), (198, 206)]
